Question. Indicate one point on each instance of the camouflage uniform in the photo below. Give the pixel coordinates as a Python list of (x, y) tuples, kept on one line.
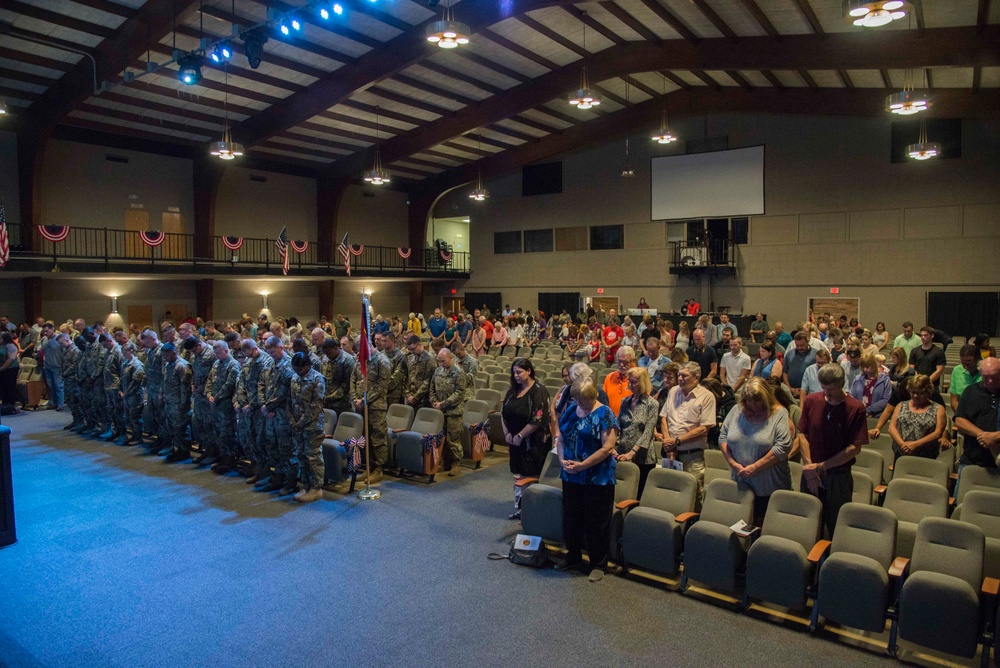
[(176, 397), (243, 419), (305, 400), (71, 382), (112, 382), (133, 374), (419, 371), (154, 388), (379, 372), (448, 388), (316, 362), (221, 388), (99, 404), (91, 385), (397, 379), (470, 367), (280, 449), (258, 372), (201, 414), (337, 374)]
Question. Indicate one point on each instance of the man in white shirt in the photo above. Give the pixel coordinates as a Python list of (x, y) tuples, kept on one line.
[(685, 419), (735, 365)]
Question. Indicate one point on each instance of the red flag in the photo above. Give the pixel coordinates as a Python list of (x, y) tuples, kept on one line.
[(4, 242), (364, 341)]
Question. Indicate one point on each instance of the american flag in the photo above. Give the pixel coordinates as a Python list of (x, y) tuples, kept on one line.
[(4, 241), (364, 341), (345, 252), (281, 243)]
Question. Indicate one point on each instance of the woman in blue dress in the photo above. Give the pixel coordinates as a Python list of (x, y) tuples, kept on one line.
[(588, 431)]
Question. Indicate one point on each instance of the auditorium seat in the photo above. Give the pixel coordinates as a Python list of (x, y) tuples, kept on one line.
[(491, 397), (329, 422), (713, 553), (481, 383), (921, 468), (410, 443), (982, 509), (500, 386), (778, 566), (475, 412), (854, 584), (912, 501), (654, 526), (541, 502), (716, 467), (795, 472), (940, 598), (864, 488), (349, 425), (398, 419), (626, 487), (977, 477)]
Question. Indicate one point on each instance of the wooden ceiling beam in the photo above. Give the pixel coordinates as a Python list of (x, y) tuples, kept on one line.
[(977, 78), (619, 13), (56, 42), (162, 108), (775, 81), (982, 14), (918, 11), (35, 59), (641, 86), (459, 76), (109, 7), (810, 16), (472, 150), (19, 94), (435, 90), (385, 113), (445, 156), (205, 82), (55, 18), (555, 113), (174, 126), (607, 94), (886, 80), (360, 122), (326, 131), (247, 73), (27, 77), (510, 132), (409, 101), (184, 97), (479, 61), (739, 79), (514, 47), (761, 18), (551, 34), (845, 78), (366, 140), (532, 123), (123, 133), (930, 78), (707, 79), (368, 9), (489, 141), (594, 24), (808, 78), (715, 19), (684, 85), (302, 150)]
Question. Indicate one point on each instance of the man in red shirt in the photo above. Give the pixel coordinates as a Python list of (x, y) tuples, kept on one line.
[(833, 427), (694, 308), (612, 335), (488, 329)]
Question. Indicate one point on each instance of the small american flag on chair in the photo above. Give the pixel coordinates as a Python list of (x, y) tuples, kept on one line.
[(345, 252), (4, 241), (281, 243)]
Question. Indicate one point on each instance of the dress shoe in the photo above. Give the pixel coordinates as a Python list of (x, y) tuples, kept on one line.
[(568, 566), (290, 488), (272, 486), (203, 457), (223, 466), (105, 435), (177, 456), (71, 425), (262, 482), (314, 494)]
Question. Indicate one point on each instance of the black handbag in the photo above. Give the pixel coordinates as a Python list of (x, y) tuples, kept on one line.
[(528, 551)]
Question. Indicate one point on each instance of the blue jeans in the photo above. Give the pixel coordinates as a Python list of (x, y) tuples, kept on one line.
[(957, 482), (54, 379)]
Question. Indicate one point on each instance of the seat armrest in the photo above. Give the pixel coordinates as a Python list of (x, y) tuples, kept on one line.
[(892, 467), (524, 482), (951, 502), (898, 567), (953, 476), (991, 586), (819, 551), (627, 504), (686, 517)]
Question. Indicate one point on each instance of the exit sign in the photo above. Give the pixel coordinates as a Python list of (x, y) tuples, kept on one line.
[(600, 291), (834, 291)]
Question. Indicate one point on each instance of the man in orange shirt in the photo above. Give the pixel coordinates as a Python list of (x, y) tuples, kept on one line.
[(616, 383), (488, 329), (694, 308), (612, 336)]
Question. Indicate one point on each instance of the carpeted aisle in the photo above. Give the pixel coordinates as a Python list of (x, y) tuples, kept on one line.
[(123, 560)]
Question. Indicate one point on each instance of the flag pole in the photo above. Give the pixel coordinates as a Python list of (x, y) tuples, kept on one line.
[(369, 493)]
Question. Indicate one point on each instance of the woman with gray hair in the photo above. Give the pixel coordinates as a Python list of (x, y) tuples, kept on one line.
[(575, 372)]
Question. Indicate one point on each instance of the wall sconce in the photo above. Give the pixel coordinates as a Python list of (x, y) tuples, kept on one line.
[(264, 296), (114, 304)]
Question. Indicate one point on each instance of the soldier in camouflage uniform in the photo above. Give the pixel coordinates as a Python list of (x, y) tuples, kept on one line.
[(275, 407), (82, 343), (469, 366), (202, 360), (176, 397), (71, 382), (258, 367), (397, 358), (337, 371), (154, 387), (447, 394), (133, 375), (379, 375), (98, 402), (92, 383), (305, 399), (299, 345), (420, 366), (221, 393), (111, 379)]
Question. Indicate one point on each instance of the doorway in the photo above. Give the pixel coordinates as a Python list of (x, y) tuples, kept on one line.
[(451, 304), (141, 315), (136, 220)]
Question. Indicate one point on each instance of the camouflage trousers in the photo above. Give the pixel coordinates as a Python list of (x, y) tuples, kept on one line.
[(280, 447), (176, 420), (71, 389), (201, 422), (133, 414), (309, 457), (453, 428), (154, 409), (378, 436), (114, 410), (224, 441)]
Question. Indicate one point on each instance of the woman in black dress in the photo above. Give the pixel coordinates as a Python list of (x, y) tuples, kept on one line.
[(525, 419)]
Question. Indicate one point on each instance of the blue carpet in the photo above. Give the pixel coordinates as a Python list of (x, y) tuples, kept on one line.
[(123, 560)]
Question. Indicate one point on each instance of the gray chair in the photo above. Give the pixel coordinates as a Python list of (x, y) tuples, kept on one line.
[(398, 419), (912, 501), (977, 478), (410, 443), (491, 397), (871, 463), (864, 488), (713, 553), (921, 468), (778, 566), (481, 383), (795, 473), (883, 445), (854, 588), (982, 509), (349, 425), (716, 467), (626, 489), (500, 385), (552, 390), (329, 422), (541, 502), (653, 532), (476, 411), (939, 602)]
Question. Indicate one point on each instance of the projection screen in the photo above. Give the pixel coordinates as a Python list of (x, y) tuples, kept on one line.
[(707, 185)]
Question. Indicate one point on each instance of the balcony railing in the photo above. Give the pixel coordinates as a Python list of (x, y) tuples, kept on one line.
[(716, 256), (88, 249)]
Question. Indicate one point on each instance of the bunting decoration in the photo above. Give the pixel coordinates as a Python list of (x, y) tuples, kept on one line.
[(433, 443), (54, 233), (364, 341), (300, 246), (4, 241), (281, 243), (404, 252), (353, 448), (345, 252), (233, 243), (357, 249), (480, 434), (152, 238), (445, 255)]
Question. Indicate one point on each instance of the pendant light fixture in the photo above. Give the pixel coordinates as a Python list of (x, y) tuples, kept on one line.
[(448, 33), (479, 193), (875, 13), (627, 170), (376, 175), (907, 101), (226, 149), (3, 108), (584, 98), (923, 149), (664, 136)]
